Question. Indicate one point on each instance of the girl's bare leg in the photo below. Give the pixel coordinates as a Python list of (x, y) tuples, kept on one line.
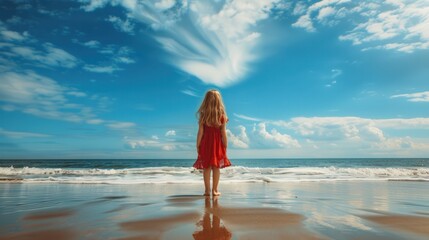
[(206, 175), (216, 176)]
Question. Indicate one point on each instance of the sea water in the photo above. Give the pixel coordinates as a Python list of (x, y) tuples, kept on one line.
[(171, 171)]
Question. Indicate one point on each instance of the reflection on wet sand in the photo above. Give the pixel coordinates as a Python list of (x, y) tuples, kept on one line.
[(249, 223), (323, 210), (415, 224), (44, 234), (49, 215), (44, 225), (159, 224), (211, 224)]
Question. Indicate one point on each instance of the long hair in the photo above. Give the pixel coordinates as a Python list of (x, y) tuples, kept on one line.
[(212, 109)]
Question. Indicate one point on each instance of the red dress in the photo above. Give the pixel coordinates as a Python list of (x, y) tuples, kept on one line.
[(212, 152)]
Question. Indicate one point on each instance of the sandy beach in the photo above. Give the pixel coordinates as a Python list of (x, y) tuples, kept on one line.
[(305, 210)]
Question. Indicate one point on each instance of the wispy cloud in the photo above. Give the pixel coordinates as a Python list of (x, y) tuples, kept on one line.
[(400, 25), (154, 143), (213, 41), (241, 116), (190, 92), (14, 134), (40, 96), (122, 25), (414, 97), (120, 125), (27, 49), (50, 55), (141, 143), (336, 72), (101, 69), (115, 54), (12, 35), (44, 97), (92, 44), (332, 78)]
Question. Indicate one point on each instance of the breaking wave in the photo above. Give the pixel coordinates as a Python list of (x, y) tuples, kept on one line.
[(155, 175)]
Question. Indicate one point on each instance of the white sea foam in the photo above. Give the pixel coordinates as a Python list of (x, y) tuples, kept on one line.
[(155, 175)]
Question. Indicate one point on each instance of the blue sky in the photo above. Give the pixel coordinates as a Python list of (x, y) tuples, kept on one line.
[(123, 79)]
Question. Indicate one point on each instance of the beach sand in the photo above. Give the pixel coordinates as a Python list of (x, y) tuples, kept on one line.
[(301, 210)]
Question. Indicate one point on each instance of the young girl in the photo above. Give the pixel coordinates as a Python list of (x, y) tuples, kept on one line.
[(211, 140)]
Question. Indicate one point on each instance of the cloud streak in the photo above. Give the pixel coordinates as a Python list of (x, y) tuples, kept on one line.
[(213, 41), (14, 134), (414, 97)]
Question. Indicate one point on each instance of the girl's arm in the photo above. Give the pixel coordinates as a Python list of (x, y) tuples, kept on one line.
[(223, 133), (199, 136)]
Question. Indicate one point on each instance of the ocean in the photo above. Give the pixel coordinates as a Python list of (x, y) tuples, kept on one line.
[(180, 171)]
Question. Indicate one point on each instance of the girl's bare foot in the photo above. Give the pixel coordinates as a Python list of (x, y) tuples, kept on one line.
[(216, 193), (206, 194)]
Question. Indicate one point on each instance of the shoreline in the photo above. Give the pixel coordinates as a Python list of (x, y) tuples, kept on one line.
[(304, 210), (362, 180)]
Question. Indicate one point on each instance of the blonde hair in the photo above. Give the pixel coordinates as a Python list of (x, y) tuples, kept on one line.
[(212, 109)]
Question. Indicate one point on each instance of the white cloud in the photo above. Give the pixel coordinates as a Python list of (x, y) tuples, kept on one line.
[(279, 139), (9, 35), (325, 12), (336, 136), (170, 133), (92, 44), (213, 41), (121, 25), (120, 125), (50, 56), (299, 8), (360, 133), (13, 134), (101, 69), (401, 25), (335, 128), (76, 93), (241, 140), (91, 5), (125, 60), (95, 121), (30, 88), (402, 123), (13, 36), (414, 97), (304, 22), (164, 4)]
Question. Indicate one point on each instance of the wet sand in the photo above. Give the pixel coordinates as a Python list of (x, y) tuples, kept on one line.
[(306, 210)]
